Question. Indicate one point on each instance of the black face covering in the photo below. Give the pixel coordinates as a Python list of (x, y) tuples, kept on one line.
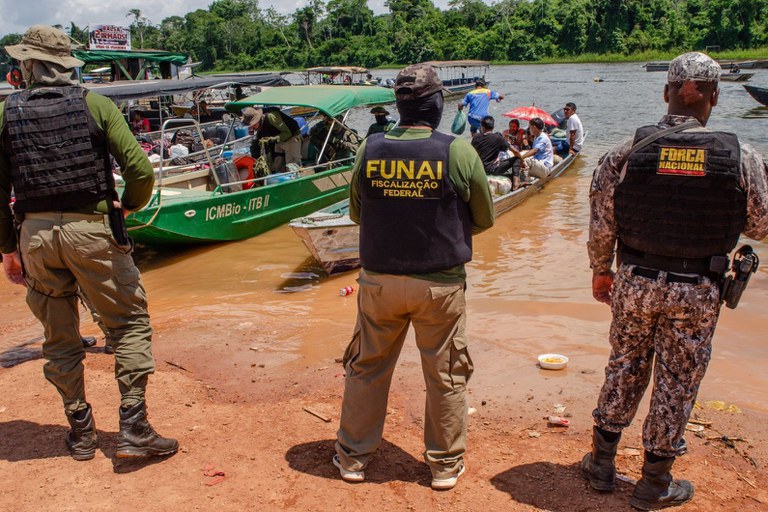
[(382, 120), (422, 111)]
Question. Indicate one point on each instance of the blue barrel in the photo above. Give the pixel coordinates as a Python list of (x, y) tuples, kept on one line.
[(241, 131)]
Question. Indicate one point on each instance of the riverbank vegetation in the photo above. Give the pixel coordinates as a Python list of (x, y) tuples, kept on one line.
[(238, 35)]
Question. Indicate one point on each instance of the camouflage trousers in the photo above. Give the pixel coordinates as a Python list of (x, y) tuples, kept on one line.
[(664, 329)]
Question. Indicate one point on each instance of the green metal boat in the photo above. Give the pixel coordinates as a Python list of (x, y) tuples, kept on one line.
[(200, 204)]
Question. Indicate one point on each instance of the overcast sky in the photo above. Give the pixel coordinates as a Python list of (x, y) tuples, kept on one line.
[(18, 15)]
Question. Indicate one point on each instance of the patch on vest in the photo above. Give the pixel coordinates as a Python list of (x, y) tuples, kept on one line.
[(682, 161), (409, 179)]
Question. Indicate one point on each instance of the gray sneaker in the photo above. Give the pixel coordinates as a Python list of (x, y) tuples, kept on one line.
[(347, 475), (444, 483)]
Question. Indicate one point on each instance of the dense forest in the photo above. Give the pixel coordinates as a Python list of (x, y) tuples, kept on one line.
[(239, 35)]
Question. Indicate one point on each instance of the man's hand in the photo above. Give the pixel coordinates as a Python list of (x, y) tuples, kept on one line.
[(12, 267), (461, 106), (602, 284), (267, 140)]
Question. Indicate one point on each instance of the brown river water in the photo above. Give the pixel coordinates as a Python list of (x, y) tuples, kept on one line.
[(529, 284)]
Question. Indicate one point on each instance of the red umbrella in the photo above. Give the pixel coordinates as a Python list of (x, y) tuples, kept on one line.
[(528, 113)]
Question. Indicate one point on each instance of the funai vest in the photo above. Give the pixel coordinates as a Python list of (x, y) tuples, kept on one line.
[(59, 158), (411, 219), (267, 130), (680, 197)]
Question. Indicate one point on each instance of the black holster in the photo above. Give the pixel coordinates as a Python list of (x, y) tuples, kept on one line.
[(117, 222), (732, 286)]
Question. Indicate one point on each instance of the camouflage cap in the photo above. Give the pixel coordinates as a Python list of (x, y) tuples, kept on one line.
[(693, 66), (417, 81), (48, 44)]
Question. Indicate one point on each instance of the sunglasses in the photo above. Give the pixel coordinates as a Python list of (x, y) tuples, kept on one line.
[(567, 108)]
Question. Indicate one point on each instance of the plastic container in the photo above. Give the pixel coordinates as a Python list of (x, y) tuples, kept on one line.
[(553, 361), (347, 290), (241, 131)]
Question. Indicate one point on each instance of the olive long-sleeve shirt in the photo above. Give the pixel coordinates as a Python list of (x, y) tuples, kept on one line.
[(466, 172), (137, 172)]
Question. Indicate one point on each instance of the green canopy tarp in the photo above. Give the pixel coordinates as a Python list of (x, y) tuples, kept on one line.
[(89, 56), (329, 99)]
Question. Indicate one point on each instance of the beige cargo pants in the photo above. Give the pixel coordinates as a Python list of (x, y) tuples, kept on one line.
[(387, 305), (61, 251)]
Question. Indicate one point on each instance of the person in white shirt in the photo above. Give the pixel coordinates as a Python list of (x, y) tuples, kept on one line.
[(574, 129)]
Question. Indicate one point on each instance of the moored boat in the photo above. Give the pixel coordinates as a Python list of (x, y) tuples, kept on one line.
[(759, 93), (333, 238), (459, 76), (214, 203), (736, 77)]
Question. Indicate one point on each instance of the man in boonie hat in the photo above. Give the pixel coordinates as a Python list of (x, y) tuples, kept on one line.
[(65, 193), (418, 196), (671, 204), (279, 131), (383, 123)]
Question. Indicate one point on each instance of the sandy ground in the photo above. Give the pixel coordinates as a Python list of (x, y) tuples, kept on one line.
[(248, 442)]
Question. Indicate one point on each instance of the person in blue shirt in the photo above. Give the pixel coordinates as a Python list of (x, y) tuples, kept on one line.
[(478, 100), (540, 158)]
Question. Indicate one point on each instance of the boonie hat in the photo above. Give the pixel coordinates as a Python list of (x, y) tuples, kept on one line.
[(49, 44), (251, 115), (379, 110), (693, 66), (417, 81)]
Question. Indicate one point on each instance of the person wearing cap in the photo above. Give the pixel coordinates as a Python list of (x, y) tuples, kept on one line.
[(279, 131), (383, 122), (66, 241), (419, 195), (478, 100), (670, 204)]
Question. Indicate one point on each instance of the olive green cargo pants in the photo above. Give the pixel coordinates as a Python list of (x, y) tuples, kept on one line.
[(61, 251), (387, 305)]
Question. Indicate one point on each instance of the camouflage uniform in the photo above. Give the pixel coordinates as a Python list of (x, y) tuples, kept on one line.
[(673, 321)]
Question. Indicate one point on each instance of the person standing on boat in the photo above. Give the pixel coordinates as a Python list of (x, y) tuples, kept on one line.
[(574, 129), (383, 122), (62, 181), (478, 100), (671, 204), (278, 130), (539, 159), (415, 237)]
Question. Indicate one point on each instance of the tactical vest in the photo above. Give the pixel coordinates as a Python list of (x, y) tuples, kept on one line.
[(680, 197), (411, 219), (59, 158), (267, 130)]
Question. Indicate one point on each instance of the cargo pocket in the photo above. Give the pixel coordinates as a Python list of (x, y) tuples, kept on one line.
[(461, 363), (352, 352)]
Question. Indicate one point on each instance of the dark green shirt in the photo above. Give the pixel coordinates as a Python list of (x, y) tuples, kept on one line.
[(467, 175), (137, 172)]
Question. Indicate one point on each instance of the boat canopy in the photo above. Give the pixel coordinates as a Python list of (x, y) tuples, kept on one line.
[(90, 56), (331, 100), (135, 89), (335, 70), (457, 63)]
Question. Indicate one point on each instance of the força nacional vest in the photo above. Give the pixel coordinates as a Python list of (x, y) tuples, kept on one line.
[(411, 219), (680, 197)]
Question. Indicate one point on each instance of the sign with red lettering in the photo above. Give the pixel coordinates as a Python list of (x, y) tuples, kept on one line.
[(109, 37)]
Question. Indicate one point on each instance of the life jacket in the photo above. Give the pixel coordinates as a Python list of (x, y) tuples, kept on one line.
[(58, 154), (412, 221), (244, 165), (681, 197), (267, 130)]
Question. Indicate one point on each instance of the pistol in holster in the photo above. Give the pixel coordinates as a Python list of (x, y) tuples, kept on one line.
[(117, 223), (733, 284)]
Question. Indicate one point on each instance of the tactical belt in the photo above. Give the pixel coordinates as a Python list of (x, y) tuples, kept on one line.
[(671, 277), (654, 262)]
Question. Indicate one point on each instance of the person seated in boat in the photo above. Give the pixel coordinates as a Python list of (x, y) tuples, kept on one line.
[(369, 80), (539, 159), (493, 150), (574, 132), (735, 68), (139, 123), (342, 143), (279, 132), (515, 135), (199, 109), (347, 80), (478, 101), (383, 123)]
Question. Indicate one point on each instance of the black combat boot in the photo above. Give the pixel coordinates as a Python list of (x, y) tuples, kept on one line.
[(657, 489), (81, 440), (599, 466), (137, 438)]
